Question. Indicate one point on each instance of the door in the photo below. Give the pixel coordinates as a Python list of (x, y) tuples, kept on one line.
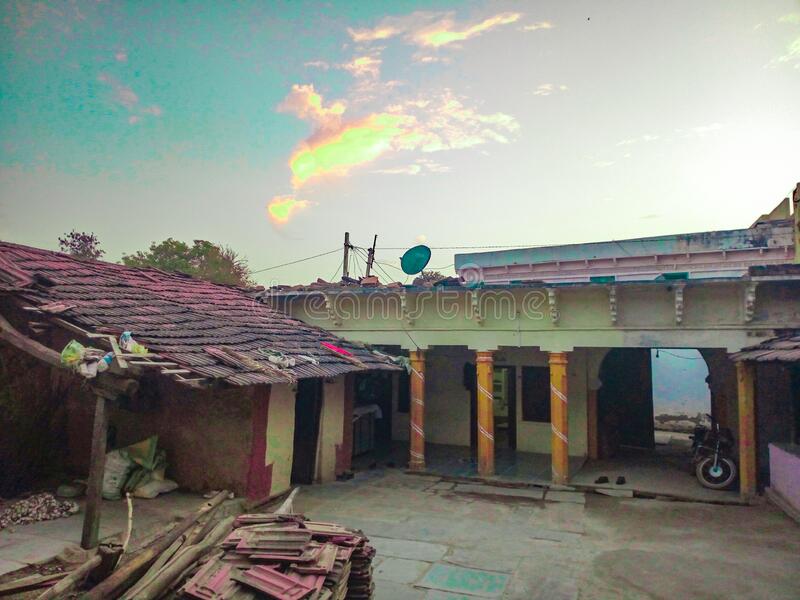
[(307, 407)]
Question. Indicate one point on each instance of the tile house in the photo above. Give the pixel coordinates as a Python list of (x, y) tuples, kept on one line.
[(241, 396)]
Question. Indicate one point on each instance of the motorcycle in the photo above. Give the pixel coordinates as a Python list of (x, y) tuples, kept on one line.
[(712, 456)]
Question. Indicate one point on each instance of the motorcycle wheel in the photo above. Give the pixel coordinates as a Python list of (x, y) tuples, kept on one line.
[(716, 479)]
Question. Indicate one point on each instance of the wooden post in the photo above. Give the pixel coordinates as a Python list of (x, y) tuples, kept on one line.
[(94, 488), (417, 410), (559, 417), (745, 380), (485, 369)]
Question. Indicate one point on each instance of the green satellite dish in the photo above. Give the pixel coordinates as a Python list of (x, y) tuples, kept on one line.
[(415, 259)]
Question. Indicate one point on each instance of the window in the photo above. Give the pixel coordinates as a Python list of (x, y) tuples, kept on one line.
[(536, 394)]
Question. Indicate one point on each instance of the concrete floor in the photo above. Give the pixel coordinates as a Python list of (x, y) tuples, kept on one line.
[(664, 471), (35, 543), (442, 541)]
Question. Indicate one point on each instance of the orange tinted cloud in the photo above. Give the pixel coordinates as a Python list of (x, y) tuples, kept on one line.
[(282, 208), (432, 124), (445, 32), (307, 104)]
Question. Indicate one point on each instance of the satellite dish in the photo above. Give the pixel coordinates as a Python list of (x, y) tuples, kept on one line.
[(415, 259)]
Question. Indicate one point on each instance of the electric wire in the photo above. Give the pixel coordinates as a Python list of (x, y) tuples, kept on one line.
[(294, 262)]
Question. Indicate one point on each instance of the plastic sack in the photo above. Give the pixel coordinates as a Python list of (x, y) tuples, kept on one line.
[(115, 474), (154, 487)]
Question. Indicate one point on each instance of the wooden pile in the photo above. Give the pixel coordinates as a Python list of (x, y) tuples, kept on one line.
[(286, 557)]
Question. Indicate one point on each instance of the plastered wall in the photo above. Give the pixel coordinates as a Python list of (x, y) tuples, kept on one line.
[(280, 436), (330, 429), (447, 402)]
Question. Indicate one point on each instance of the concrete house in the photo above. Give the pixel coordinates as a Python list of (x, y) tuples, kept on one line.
[(536, 365), (241, 396)]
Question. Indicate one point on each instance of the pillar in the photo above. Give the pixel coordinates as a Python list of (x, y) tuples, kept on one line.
[(558, 417), (745, 380), (94, 486), (485, 369), (417, 409)]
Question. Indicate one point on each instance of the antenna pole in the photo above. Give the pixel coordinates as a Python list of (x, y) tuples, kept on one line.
[(371, 254), (346, 264)]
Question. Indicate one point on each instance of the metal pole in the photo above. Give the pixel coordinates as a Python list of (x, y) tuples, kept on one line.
[(345, 264), (371, 254)]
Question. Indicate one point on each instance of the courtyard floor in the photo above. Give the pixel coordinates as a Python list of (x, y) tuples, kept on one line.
[(439, 540)]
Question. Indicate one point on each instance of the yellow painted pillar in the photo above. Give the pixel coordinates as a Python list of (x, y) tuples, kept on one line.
[(745, 380), (417, 409), (485, 368), (558, 417)]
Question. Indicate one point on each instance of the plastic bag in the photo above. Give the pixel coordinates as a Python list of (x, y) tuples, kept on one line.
[(115, 474), (72, 354), (153, 488), (127, 343)]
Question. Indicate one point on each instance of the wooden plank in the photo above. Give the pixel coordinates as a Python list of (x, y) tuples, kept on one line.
[(28, 583), (745, 380), (91, 520)]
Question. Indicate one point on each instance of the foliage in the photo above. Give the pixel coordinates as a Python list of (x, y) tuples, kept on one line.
[(212, 262), (431, 276), (81, 245)]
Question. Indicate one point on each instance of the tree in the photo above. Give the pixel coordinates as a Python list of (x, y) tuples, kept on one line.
[(81, 245), (431, 276), (212, 262)]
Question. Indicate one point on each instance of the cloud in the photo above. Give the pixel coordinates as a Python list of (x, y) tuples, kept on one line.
[(281, 208), (791, 19), (364, 66), (304, 102), (426, 124), (317, 64), (415, 168), (639, 139), (121, 56), (381, 32), (538, 25), (430, 29), (446, 32), (126, 97), (603, 164), (546, 89), (412, 169)]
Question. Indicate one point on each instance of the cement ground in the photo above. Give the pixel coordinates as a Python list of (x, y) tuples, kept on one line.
[(441, 541)]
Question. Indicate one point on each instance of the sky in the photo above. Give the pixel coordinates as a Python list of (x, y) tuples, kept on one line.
[(274, 127), (679, 382)]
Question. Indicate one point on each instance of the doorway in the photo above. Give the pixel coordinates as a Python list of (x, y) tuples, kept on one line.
[(308, 406)]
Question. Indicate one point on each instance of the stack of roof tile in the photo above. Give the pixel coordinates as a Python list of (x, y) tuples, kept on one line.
[(286, 557)]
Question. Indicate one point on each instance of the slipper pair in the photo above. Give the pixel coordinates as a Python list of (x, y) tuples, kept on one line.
[(603, 479)]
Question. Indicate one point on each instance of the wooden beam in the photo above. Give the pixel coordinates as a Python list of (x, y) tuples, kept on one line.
[(417, 411), (91, 520), (745, 381), (9, 334), (559, 417), (485, 375)]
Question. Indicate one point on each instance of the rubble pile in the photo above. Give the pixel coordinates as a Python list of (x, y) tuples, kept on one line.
[(39, 507), (288, 557)]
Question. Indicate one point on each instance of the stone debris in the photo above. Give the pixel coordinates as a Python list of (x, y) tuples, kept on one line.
[(39, 507)]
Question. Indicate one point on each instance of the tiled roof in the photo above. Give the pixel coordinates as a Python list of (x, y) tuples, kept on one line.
[(216, 331), (782, 349)]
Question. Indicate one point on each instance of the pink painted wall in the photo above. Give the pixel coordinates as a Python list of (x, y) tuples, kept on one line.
[(784, 465)]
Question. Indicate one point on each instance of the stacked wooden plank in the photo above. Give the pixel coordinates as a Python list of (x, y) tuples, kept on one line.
[(286, 557)]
